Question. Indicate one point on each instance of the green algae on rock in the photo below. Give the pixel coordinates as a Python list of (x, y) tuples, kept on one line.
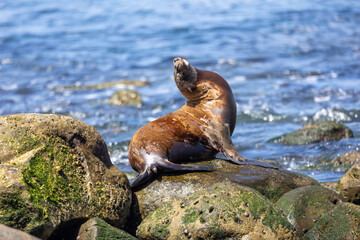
[(55, 169), (315, 132), (271, 183), (304, 205), (340, 223), (349, 185), (225, 210), (98, 229)]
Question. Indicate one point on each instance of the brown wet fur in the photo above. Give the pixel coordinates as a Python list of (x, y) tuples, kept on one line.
[(198, 130)]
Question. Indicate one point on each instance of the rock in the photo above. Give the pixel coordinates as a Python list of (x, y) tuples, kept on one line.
[(126, 97), (349, 185), (222, 211), (98, 229), (333, 186), (271, 183), (315, 132), (345, 161), (340, 223), (8, 233), (304, 205), (56, 170), (136, 83)]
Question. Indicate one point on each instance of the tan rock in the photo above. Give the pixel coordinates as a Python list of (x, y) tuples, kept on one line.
[(345, 161), (8, 233), (126, 97), (349, 185)]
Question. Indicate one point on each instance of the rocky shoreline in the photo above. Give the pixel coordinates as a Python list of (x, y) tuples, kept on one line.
[(58, 182)]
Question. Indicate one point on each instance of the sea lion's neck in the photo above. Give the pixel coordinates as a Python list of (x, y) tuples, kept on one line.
[(217, 103)]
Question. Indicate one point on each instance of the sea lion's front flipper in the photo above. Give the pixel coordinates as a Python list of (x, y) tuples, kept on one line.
[(167, 166), (220, 139)]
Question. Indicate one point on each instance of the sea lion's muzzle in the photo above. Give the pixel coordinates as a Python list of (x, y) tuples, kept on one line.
[(183, 71)]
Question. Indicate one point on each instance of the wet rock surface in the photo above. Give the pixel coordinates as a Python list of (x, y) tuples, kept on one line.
[(315, 132), (222, 211), (305, 205), (56, 170), (271, 183), (349, 185)]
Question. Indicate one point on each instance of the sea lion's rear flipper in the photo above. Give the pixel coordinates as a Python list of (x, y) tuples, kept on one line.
[(240, 160), (167, 166), (142, 178)]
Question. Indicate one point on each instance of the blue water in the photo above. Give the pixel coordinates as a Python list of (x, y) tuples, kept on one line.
[(288, 62)]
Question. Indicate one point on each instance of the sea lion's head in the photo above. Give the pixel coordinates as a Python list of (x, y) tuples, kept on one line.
[(186, 79), (197, 84), (206, 90)]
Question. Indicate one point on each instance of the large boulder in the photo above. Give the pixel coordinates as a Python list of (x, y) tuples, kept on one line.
[(315, 132), (55, 171), (340, 223), (349, 185), (222, 211), (271, 183), (304, 206)]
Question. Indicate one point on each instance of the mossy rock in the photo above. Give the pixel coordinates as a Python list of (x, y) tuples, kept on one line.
[(345, 161), (271, 183), (8, 233), (126, 97), (56, 169), (303, 206), (340, 223), (98, 229), (223, 211), (315, 132), (136, 83), (349, 185)]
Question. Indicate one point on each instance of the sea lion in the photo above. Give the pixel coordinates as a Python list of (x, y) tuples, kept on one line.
[(198, 130)]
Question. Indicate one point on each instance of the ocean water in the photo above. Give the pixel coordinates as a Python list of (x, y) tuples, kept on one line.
[(288, 62)]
